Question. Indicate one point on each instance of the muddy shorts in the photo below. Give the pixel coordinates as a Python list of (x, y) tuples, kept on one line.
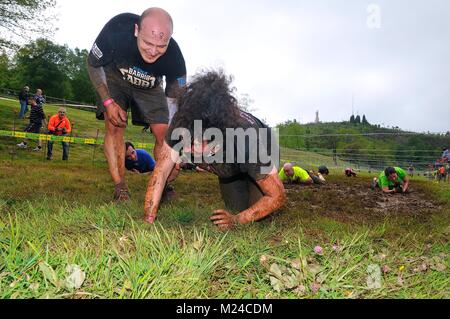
[(33, 128), (147, 106), (239, 192)]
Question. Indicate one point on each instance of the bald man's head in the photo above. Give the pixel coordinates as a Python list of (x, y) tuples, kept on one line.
[(157, 14), (288, 169), (153, 33)]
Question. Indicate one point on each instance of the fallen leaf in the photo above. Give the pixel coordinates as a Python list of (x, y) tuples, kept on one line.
[(49, 273), (297, 264), (439, 267), (275, 269), (277, 285), (290, 281), (34, 286), (75, 278), (300, 290), (264, 261)]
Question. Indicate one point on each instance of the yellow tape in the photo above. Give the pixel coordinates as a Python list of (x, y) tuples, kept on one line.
[(67, 139)]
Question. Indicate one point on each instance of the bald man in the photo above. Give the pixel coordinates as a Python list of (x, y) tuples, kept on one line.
[(126, 65), (59, 125)]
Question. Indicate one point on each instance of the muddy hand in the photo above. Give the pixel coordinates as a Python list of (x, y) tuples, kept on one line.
[(149, 218), (223, 219), (117, 116)]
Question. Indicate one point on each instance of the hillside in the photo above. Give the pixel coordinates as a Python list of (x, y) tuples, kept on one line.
[(365, 145)]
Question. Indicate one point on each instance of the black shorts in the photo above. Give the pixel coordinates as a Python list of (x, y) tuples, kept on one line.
[(147, 106), (33, 128)]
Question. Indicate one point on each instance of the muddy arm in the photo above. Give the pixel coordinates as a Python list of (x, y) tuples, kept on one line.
[(157, 182), (405, 184), (274, 197)]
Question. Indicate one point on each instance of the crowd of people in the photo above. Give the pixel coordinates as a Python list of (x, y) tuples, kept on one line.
[(127, 63)]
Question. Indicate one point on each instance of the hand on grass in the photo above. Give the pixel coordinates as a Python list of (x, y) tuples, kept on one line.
[(224, 219), (149, 218)]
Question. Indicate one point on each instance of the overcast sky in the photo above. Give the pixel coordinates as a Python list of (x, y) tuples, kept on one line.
[(296, 57)]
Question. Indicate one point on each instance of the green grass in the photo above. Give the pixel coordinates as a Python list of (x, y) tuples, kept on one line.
[(71, 221), (57, 214)]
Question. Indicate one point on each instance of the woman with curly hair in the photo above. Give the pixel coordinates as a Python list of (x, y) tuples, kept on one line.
[(208, 116)]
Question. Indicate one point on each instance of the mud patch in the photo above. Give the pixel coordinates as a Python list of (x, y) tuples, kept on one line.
[(354, 200)]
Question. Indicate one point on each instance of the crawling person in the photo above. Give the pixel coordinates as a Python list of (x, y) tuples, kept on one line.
[(291, 174), (392, 180), (349, 172), (250, 189)]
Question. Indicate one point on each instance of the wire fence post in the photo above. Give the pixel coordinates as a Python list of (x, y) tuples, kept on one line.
[(70, 142), (95, 148), (13, 149)]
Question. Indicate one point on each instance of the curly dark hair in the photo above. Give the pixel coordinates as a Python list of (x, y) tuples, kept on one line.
[(389, 170), (209, 98)]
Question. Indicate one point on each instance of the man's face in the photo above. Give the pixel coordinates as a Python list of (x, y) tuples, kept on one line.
[(289, 171), (131, 154), (61, 114), (152, 40), (393, 177)]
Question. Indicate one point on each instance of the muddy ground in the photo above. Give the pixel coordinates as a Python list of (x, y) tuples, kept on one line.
[(351, 199)]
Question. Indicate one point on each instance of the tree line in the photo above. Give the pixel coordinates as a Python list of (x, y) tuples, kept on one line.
[(57, 69)]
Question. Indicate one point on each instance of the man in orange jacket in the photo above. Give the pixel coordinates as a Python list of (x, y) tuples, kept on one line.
[(59, 125)]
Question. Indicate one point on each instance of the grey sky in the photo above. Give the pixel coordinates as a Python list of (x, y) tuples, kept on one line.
[(296, 57)]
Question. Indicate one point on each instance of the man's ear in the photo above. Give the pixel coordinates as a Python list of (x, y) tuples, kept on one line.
[(136, 30)]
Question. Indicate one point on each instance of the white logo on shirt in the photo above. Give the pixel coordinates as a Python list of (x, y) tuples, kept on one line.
[(96, 51)]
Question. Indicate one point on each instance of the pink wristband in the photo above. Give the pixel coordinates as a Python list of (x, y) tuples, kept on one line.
[(108, 102)]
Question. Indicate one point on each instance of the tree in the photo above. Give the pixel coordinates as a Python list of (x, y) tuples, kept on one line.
[(364, 120), (43, 64), (60, 71), (358, 119), (18, 20), (4, 70), (352, 119)]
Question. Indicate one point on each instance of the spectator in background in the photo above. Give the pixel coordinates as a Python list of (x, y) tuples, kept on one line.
[(445, 155), (23, 100), (349, 172), (411, 170), (39, 98), (137, 160), (37, 117), (59, 125)]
